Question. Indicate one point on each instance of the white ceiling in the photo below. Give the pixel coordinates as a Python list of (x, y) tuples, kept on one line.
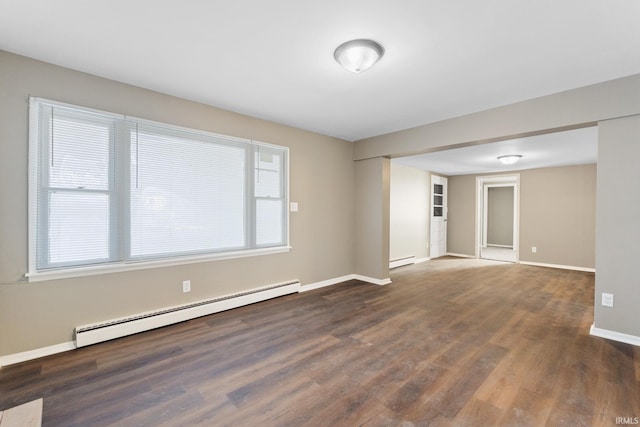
[(274, 59), (574, 147)]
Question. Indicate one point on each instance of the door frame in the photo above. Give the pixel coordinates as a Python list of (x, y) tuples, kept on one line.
[(444, 212), (483, 183)]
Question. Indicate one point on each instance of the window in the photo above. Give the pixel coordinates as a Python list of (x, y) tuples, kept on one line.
[(109, 190), (438, 199)]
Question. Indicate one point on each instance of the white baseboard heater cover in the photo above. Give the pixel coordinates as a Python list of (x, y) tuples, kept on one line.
[(400, 262), (121, 327)]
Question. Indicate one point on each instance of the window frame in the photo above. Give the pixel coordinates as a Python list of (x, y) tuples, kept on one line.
[(43, 201), (119, 193)]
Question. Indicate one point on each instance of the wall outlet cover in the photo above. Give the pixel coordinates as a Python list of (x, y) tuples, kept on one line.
[(607, 300)]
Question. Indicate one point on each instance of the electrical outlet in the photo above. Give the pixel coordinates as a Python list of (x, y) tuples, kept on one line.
[(534, 249), (186, 286), (607, 300)]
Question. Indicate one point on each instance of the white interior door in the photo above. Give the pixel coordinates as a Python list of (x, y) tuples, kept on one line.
[(438, 243)]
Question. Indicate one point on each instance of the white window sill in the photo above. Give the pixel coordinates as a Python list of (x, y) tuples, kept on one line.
[(93, 270)]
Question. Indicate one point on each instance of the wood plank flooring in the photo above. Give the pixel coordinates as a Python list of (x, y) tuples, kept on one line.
[(452, 342)]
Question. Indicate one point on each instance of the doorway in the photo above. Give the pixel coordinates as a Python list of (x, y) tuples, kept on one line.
[(438, 240), (497, 227)]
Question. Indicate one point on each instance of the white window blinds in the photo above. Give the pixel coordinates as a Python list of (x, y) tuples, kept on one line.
[(188, 193), (110, 189), (269, 197), (75, 193)]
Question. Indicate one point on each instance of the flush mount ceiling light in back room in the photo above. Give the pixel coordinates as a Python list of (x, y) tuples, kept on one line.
[(509, 159)]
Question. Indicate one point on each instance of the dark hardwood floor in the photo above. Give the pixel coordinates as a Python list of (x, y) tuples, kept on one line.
[(452, 342)]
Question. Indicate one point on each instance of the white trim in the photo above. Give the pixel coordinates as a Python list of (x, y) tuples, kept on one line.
[(563, 267), (380, 282), (342, 279), (142, 265), (141, 322), (400, 262), (126, 330), (118, 259), (324, 283), (407, 261), (24, 356), (346, 278), (33, 162), (615, 336), (485, 216), (60, 348), (491, 245), (444, 181), (482, 184), (459, 255)]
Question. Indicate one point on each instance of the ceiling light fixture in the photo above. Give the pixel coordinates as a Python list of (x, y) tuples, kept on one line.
[(358, 55), (509, 159)]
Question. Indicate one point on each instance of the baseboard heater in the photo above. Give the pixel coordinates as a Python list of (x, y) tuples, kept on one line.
[(402, 261), (116, 328)]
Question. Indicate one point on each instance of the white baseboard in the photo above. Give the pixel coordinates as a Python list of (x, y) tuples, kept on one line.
[(335, 281), (109, 329), (410, 260), (563, 267), (12, 359), (371, 280), (615, 336), (407, 261), (460, 255), (324, 283)]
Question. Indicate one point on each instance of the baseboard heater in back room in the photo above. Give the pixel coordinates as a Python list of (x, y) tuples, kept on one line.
[(400, 262), (121, 327)]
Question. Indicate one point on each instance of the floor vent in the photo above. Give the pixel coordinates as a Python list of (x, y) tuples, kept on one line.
[(116, 328)]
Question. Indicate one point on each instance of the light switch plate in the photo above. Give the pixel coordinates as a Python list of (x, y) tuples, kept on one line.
[(293, 206)]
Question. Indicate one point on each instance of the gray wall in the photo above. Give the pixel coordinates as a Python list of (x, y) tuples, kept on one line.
[(603, 104), (409, 215), (323, 233), (565, 110), (618, 224), (557, 215), (34, 315), (500, 216), (372, 213)]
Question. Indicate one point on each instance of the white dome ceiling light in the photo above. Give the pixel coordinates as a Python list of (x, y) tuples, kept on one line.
[(358, 55), (509, 159)]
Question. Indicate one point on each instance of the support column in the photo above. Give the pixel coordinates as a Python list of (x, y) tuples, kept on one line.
[(618, 229), (372, 220)]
